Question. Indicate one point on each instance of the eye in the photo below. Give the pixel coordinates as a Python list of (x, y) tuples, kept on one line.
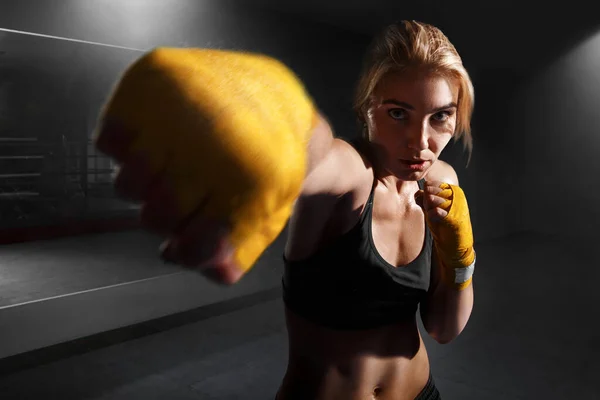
[(397, 113), (442, 116)]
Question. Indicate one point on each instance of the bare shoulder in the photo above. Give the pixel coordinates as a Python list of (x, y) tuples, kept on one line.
[(341, 170), (340, 173), (441, 171)]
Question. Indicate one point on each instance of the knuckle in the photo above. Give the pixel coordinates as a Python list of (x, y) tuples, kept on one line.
[(441, 213)]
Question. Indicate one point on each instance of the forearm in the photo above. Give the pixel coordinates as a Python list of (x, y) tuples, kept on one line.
[(447, 311)]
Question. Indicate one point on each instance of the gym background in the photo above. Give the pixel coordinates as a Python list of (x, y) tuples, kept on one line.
[(87, 310)]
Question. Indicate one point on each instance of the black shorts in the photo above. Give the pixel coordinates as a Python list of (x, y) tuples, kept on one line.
[(429, 392)]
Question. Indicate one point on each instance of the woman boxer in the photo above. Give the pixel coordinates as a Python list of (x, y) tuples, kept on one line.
[(358, 261), (378, 228)]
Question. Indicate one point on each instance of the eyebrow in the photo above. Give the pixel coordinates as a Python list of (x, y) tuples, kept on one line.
[(410, 107)]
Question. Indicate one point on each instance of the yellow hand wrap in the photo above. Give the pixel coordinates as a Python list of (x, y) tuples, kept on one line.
[(229, 130), (453, 236)]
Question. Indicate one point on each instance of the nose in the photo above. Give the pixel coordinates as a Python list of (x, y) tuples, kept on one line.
[(418, 137)]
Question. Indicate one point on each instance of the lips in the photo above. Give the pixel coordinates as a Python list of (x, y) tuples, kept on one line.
[(414, 165), (413, 161)]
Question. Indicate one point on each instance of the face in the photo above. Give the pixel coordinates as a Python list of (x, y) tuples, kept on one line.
[(411, 119)]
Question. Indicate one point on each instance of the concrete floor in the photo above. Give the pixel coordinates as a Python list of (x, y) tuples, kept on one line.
[(532, 335), (38, 270)]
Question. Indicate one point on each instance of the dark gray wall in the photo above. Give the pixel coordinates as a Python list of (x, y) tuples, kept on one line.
[(558, 130), (489, 180), (535, 162), (326, 59)]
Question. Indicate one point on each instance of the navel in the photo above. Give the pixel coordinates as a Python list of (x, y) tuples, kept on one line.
[(376, 392)]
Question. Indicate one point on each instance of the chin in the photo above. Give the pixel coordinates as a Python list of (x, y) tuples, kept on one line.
[(405, 175), (417, 176)]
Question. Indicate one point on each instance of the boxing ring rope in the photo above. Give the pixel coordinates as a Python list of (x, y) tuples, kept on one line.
[(48, 178), (44, 182)]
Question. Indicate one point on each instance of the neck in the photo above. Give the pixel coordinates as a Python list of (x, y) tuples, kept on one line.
[(399, 186), (382, 173)]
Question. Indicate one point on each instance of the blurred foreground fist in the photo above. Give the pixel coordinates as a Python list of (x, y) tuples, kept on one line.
[(214, 145)]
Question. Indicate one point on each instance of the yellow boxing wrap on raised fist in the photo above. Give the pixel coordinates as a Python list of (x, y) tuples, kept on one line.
[(453, 238), (229, 130)]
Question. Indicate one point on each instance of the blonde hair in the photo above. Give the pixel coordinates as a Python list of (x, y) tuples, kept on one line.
[(409, 44)]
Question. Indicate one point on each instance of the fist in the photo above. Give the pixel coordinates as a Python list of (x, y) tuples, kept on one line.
[(214, 145), (447, 214), (434, 200), (191, 241)]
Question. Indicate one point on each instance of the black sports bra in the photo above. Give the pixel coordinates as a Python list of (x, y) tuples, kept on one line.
[(348, 285)]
